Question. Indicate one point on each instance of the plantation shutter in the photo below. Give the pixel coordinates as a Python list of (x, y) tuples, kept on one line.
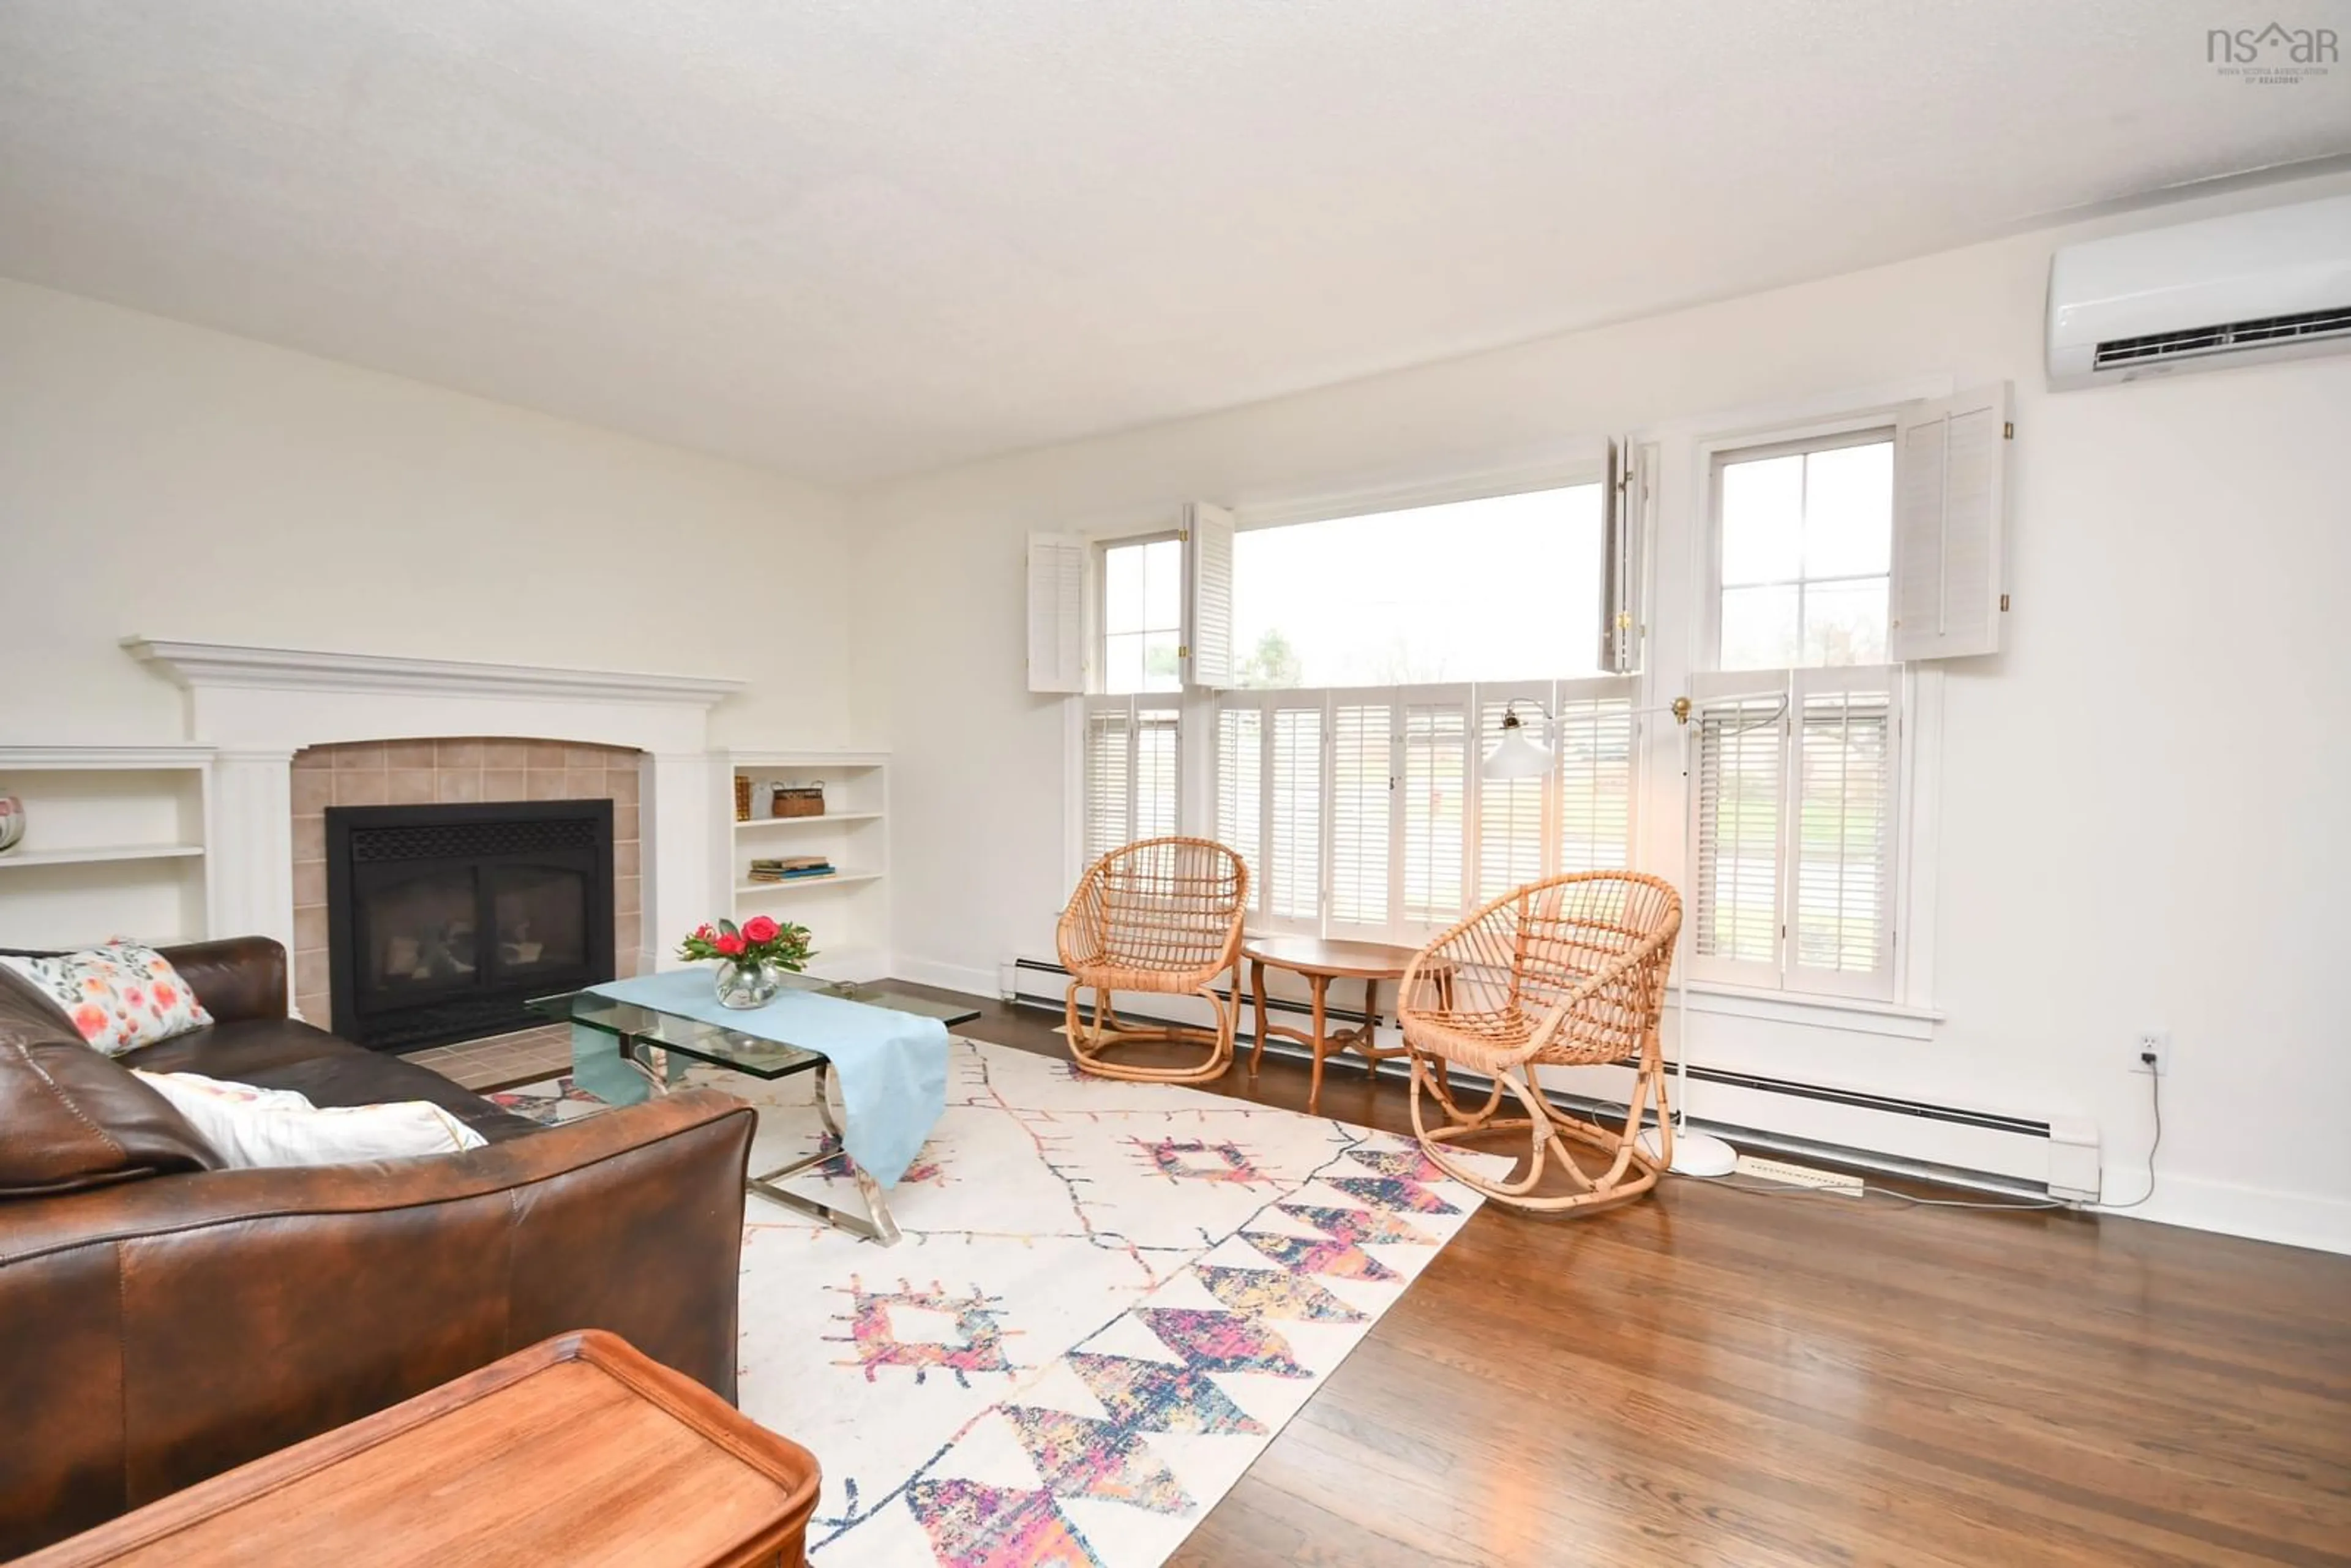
[(1156, 762), (1294, 809), (1511, 833), (1950, 493), (1108, 773), (1132, 757), (1240, 791), (1433, 822), (1843, 831), (1630, 506), (1594, 773), (1736, 793), (1057, 620), (1208, 596), (1362, 826)]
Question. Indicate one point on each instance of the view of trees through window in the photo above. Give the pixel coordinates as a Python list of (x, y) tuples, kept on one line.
[(1502, 588)]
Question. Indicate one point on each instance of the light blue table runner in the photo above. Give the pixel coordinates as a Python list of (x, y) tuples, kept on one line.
[(892, 1066)]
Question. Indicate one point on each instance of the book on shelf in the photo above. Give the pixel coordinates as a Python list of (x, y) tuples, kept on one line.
[(792, 868)]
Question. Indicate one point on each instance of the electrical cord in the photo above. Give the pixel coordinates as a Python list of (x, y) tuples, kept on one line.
[(2154, 1102)]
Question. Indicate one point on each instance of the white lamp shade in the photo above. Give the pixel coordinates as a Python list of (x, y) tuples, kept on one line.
[(1516, 757)]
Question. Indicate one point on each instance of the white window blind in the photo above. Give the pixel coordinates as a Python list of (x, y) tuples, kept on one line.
[(1843, 833), (1514, 814), (1950, 505), (1294, 815), (1057, 597), (1240, 791), (1595, 776), (1434, 809), (1578, 817), (1362, 830), (1794, 803), (1208, 596), (1374, 823), (1131, 770), (1735, 790)]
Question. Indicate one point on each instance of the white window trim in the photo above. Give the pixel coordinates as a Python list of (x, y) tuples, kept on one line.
[(1855, 1014), (1919, 759)]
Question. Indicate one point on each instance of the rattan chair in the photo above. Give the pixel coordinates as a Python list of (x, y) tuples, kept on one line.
[(1568, 972), (1162, 917)]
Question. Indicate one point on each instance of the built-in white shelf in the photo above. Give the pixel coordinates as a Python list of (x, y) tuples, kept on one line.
[(797, 884), (114, 844), (100, 853), (847, 910)]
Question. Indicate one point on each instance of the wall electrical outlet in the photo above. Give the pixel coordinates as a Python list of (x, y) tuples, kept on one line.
[(2155, 1043)]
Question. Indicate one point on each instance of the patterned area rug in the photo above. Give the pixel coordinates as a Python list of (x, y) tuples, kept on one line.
[(1109, 1298)]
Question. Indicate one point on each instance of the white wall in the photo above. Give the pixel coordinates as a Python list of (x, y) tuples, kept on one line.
[(2143, 815), (163, 480)]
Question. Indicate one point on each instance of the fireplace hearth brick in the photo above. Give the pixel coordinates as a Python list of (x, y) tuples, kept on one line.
[(420, 772)]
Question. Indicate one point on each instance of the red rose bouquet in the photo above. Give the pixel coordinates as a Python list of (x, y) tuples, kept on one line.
[(758, 943)]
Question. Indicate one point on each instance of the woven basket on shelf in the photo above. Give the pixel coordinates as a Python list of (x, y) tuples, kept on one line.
[(799, 800)]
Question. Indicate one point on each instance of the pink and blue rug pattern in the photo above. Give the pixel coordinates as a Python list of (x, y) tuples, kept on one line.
[(1109, 1298)]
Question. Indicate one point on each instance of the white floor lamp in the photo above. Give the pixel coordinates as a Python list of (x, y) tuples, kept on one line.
[(1516, 757)]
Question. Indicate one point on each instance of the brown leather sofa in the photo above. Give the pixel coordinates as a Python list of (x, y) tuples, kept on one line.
[(162, 1321)]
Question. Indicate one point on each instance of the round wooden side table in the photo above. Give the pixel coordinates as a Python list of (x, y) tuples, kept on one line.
[(1322, 962)]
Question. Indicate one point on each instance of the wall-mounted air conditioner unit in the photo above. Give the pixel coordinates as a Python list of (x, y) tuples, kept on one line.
[(2272, 284)]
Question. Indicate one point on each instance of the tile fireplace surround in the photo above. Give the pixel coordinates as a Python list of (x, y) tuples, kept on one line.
[(420, 772), (287, 725)]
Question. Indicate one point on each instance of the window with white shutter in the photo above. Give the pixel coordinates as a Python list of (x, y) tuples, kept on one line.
[(1142, 615), (1804, 546), (1374, 824), (1131, 769), (1794, 811)]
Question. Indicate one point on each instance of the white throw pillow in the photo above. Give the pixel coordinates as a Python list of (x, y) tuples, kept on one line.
[(250, 1127), (121, 996)]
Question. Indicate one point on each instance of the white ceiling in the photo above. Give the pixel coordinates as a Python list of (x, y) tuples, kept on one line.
[(860, 237)]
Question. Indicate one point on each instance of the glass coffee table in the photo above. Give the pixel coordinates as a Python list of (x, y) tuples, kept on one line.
[(651, 1049)]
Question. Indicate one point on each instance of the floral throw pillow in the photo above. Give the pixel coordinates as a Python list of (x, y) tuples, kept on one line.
[(121, 997)]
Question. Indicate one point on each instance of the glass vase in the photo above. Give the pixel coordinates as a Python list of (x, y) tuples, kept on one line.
[(743, 983)]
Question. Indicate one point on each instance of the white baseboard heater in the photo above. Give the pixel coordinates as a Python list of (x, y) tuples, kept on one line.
[(1985, 1150)]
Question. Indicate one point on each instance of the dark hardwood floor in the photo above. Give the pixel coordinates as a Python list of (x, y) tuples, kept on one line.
[(1713, 1376)]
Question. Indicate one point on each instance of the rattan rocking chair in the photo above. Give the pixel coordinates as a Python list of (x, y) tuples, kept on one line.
[(1566, 972), (1162, 917)]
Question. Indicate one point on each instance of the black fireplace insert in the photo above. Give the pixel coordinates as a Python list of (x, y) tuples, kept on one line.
[(441, 921)]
